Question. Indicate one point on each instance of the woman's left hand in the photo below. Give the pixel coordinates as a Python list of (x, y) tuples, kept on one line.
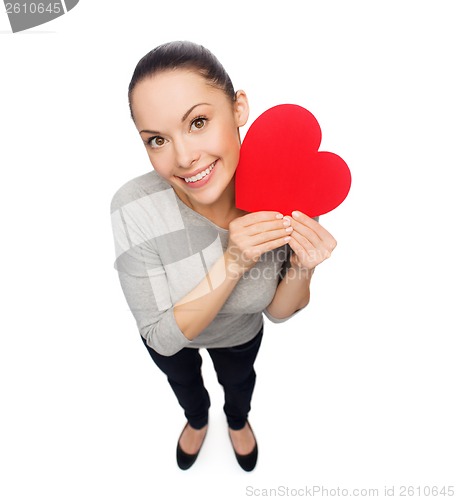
[(310, 242)]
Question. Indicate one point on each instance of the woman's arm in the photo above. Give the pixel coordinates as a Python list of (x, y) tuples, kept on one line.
[(250, 236), (292, 294), (167, 326), (194, 312), (311, 244)]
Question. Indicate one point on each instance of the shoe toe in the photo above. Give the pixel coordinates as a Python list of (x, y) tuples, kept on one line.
[(247, 462), (186, 460)]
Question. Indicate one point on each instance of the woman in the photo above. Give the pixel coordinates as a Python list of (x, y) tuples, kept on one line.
[(196, 271)]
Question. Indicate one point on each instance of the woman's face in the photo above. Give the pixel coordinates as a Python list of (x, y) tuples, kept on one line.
[(190, 130)]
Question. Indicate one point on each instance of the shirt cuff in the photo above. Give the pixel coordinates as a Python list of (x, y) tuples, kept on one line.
[(168, 339), (279, 320)]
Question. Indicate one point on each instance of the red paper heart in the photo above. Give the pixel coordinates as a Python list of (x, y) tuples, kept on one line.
[(280, 167)]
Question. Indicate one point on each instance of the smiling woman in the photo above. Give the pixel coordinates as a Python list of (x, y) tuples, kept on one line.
[(196, 271), (190, 127)]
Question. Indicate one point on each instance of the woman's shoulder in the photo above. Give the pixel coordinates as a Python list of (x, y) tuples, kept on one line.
[(139, 187)]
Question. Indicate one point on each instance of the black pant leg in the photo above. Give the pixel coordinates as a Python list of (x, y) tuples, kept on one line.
[(183, 371), (235, 372)]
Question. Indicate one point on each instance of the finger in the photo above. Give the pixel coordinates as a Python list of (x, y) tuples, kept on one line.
[(269, 225), (265, 236), (299, 251), (309, 222), (313, 254), (305, 231), (315, 226), (270, 245), (262, 216), (304, 243)]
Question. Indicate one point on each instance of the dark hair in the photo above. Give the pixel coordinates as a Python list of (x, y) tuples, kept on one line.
[(182, 54)]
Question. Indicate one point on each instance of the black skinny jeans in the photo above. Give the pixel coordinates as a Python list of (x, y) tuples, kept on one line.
[(235, 373)]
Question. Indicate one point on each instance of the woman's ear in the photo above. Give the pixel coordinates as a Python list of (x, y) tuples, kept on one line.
[(241, 108)]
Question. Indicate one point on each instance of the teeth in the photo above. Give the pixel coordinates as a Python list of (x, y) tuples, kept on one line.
[(199, 176)]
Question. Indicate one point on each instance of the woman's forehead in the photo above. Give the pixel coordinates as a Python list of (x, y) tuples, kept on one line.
[(172, 84), (168, 95)]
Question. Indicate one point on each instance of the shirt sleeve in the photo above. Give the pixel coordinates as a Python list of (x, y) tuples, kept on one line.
[(143, 279), (158, 327), (279, 320)]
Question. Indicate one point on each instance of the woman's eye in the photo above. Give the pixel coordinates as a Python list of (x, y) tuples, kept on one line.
[(198, 123), (156, 142)]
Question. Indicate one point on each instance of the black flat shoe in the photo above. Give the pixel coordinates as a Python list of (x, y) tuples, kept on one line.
[(185, 460), (247, 462)]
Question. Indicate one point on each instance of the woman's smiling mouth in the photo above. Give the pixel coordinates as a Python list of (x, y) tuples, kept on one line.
[(200, 178)]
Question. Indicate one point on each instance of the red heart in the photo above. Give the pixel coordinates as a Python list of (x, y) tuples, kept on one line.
[(280, 167)]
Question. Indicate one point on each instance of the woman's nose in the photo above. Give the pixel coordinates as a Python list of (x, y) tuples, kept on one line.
[(186, 155)]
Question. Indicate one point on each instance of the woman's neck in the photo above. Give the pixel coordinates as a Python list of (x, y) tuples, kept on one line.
[(223, 211)]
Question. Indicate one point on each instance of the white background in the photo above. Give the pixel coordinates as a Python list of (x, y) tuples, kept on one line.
[(357, 391)]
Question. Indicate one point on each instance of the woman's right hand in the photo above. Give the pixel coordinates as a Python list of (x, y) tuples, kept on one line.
[(251, 235)]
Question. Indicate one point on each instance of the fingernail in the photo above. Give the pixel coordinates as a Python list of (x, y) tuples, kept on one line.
[(279, 216), (295, 214), (286, 222), (287, 239), (289, 229)]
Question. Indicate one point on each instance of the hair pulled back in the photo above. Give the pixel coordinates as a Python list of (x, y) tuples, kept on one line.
[(182, 55)]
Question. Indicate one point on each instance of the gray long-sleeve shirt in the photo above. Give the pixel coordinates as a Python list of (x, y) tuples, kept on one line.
[(164, 249)]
